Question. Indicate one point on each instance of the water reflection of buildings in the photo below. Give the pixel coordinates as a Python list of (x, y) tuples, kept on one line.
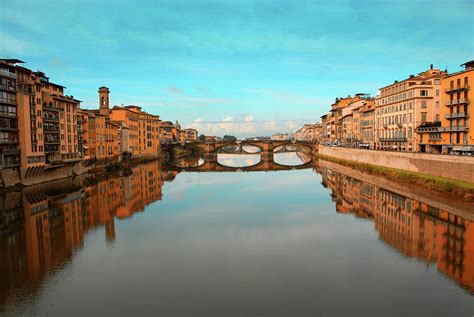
[(41, 226), (413, 228)]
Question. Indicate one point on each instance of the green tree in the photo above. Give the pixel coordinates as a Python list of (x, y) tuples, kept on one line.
[(229, 138)]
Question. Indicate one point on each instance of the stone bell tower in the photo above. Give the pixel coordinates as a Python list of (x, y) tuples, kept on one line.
[(104, 100)]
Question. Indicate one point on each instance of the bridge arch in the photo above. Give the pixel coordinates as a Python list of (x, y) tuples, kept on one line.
[(239, 144)]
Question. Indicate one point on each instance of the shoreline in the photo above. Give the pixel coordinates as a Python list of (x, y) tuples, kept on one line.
[(443, 186), (99, 171)]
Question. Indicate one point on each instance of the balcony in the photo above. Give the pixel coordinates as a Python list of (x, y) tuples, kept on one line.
[(50, 129), (6, 73), (9, 141), (8, 114), (8, 101), (50, 119), (443, 129), (456, 129), (52, 141), (457, 88), (7, 87), (456, 115), (15, 163), (51, 107), (459, 101), (10, 152), (51, 149), (399, 139), (8, 128)]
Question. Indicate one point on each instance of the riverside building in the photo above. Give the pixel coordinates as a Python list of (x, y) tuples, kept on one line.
[(39, 122), (456, 130), (404, 106), (139, 131)]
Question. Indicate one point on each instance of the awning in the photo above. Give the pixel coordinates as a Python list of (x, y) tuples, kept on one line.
[(467, 148)]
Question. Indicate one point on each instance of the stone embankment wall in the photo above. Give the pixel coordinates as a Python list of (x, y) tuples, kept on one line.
[(450, 204), (13, 176), (449, 166)]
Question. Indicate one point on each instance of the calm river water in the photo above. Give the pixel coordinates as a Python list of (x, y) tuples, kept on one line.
[(303, 242)]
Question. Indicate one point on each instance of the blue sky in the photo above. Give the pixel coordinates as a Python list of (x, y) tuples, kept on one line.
[(239, 67)]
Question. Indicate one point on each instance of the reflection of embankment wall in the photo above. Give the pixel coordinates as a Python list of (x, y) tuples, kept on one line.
[(12, 177), (37, 175), (454, 167), (414, 192)]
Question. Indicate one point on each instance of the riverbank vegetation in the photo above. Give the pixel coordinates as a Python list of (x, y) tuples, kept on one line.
[(442, 185)]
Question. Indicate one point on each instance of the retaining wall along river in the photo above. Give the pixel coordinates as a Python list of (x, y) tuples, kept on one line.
[(449, 166)]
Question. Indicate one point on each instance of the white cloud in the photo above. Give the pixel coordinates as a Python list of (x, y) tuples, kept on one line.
[(245, 127)]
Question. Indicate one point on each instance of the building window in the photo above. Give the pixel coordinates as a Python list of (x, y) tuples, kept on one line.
[(437, 117), (423, 117), (424, 93), (437, 104), (423, 104)]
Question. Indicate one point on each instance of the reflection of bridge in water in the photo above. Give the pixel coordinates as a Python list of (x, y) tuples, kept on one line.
[(266, 150)]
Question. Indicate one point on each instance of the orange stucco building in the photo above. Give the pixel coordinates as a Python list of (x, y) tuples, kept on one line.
[(456, 132), (46, 131), (143, 129)]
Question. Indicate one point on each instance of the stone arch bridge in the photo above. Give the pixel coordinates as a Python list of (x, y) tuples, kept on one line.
[(267, 149)]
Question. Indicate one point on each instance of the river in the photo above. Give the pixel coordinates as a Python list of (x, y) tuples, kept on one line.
[(299, 242)]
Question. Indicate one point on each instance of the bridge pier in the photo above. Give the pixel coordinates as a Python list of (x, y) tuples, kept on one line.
[(210, 160), (266, 154)]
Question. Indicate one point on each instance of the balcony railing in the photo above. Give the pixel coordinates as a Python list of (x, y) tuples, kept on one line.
[(399, 139), (51, 130), (457, 88), (456, 129), (7, 87), (443, 129), (456, 115), (8, 101), (6, 73), (457, 101), (8, 114), (10, 152), (56, 141), (52, 108), (9, 128), (51, 119), (10, 164), (8, 141)]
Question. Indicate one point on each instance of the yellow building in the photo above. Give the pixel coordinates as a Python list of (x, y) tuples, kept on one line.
[(188, 135), (404, 106), (367, 125), (143, 128)]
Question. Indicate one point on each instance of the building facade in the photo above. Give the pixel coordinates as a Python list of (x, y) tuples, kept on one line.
[(456, 131), (404, 106), (188, 135), (9, 138), (40, 120)]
